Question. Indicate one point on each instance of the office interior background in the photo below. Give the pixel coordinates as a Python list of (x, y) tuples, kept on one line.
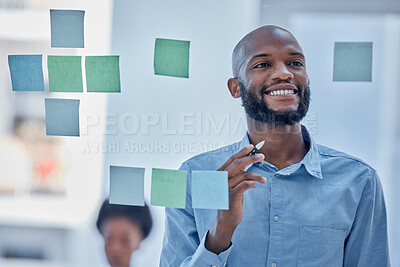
[(166, 120)]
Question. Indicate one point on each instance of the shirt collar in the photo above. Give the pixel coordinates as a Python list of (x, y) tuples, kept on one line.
[(311, 160)]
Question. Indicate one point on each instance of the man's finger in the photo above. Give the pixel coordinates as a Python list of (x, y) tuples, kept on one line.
[(239, 165), (243, 152), (246, 176), (242, 187)]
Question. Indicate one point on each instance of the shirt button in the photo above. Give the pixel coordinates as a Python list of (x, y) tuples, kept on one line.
[(277, 175), (273, 264), (276, 218), (214, 266), (260, 164)]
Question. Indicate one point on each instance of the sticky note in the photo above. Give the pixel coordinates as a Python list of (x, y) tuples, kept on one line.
[(210, 190), (65, 73), (168, 188), (102, 74), (171, 58), (62, 117), (352, 62), (127, 186), (26, 72), (67, 28)]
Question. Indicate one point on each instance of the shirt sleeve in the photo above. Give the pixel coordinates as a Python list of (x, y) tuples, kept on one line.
[(367, 243), (182, 245)]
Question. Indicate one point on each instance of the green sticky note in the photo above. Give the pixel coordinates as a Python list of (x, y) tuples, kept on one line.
[(210, 190), (352, 62), (65, 73), (168, 188), (102, 74), (171, 58), (127, 186)]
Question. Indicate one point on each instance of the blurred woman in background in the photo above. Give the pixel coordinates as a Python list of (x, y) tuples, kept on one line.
[(123, 228)]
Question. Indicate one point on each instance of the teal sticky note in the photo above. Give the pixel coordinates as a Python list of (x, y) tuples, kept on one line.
[(168, 188), (352, 62), (62, 117), (65, 73), (102, 74), (26, 72), (67, 28), (127, 186), (171, 58), (210, 190)]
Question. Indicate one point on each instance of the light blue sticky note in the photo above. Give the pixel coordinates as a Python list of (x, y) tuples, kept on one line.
[(67, 28), (127, 186), (62, 117), (210, 190), (26, 72), (352, 62)]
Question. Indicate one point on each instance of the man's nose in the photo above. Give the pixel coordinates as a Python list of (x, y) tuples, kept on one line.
[(281, 72)]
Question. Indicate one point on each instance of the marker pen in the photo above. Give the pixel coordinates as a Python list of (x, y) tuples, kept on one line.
[(256, 148)]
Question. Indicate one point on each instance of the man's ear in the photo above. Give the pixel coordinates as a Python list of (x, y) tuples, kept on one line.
[(234, 88)]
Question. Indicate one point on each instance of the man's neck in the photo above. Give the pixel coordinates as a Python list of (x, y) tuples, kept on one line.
[(284, 144)]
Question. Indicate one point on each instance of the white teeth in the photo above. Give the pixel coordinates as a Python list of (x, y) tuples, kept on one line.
[(282, 92)]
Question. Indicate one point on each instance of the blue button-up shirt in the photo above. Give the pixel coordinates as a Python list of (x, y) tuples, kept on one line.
[(327, 210)]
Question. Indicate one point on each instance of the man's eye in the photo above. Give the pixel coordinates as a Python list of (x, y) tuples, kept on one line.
[(296, 63), (261, 65)]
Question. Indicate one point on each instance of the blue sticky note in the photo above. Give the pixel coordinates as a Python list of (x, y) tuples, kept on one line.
[(26, 72), (67, 28), (352, 62), (62, 117), (210, 190), (127, 186)]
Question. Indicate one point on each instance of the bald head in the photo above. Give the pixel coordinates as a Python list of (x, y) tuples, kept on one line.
[(255, 38)]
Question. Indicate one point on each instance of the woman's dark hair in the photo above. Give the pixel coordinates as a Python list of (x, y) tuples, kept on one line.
[(135, 214)]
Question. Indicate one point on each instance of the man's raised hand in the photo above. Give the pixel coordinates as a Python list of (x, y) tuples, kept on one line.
[(220, 234)]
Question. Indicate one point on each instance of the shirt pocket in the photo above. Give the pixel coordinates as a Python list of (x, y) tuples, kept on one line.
[(320, 246)]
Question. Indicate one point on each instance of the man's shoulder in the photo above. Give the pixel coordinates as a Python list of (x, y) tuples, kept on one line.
[(213, 159), (353, 161)]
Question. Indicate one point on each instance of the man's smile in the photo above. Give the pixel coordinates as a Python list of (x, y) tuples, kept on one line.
[(281, 90), (285, 92)]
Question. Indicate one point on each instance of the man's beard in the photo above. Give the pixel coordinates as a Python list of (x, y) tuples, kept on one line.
[(258, 110)]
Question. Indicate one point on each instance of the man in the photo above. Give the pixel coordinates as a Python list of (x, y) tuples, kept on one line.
[(123, 229), (295, 203)]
